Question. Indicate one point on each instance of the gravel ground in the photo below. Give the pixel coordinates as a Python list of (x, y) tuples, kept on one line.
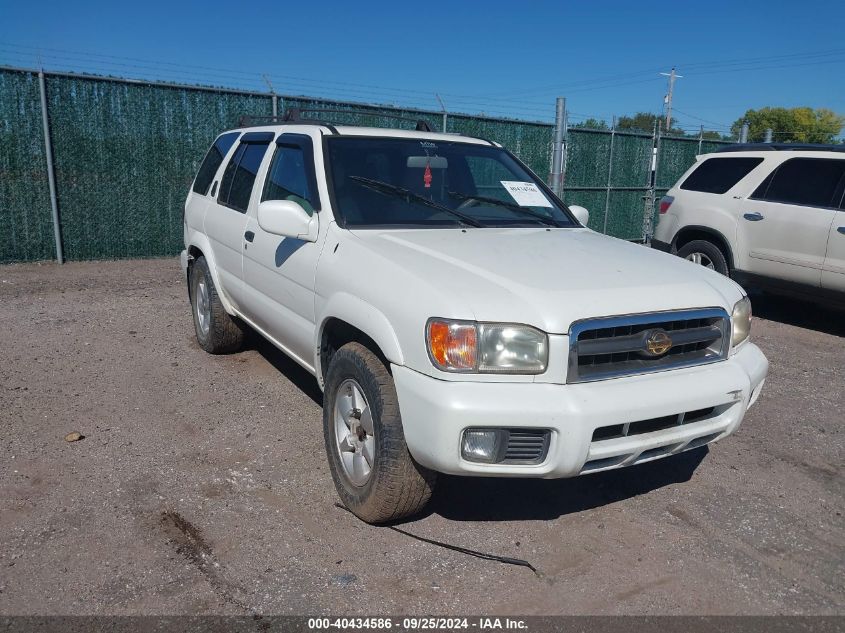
[(201, 486)]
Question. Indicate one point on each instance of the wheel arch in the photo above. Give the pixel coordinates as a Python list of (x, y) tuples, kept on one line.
[(346, 319), (199, 246), (695, 232)]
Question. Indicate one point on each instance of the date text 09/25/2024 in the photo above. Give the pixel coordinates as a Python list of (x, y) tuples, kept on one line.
[(417, 623)]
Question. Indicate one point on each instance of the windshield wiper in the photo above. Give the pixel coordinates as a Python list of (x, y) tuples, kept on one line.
[(507, 205), (395, 190)]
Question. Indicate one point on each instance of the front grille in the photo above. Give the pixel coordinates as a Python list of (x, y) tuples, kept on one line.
[(526, 446), (610, 347), (652, 424)]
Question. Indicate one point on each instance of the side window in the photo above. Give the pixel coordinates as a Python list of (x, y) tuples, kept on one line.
[(804, 181), (212, 161), (240, 174), (718, 175), (291, 174)]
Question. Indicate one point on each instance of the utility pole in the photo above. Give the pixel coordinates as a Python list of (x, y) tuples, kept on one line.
[(557, 148), (668, 98), (273, 95), (743, 132), (442, 107)]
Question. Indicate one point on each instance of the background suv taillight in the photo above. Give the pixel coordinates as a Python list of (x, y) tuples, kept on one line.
[(665, 203)]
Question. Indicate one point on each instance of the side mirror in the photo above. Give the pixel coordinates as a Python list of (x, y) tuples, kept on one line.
[(288, 219), (580, 213)]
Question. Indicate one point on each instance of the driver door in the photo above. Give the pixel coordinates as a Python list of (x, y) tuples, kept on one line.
[(279, 272)]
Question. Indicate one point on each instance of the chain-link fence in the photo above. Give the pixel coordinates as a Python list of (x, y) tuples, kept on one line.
[(124, 155), (620, 176)]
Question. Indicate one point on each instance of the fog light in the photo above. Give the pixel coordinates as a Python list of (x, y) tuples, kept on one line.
[(483, 445)]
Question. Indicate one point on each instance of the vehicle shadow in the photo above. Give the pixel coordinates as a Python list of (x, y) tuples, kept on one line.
[(288, 368), (800, 313), (500, 499)]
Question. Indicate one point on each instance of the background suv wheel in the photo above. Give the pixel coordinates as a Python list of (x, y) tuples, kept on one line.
[(705, 254)]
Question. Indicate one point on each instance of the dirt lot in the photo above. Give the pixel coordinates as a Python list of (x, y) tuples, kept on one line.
[(201, 485)]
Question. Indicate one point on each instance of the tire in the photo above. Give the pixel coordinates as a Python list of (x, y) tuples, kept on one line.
[(706, 254), (395, 486), (217, 332)]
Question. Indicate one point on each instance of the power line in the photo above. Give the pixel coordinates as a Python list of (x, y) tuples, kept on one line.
[(252, 81), (692, 116), (700, 65)]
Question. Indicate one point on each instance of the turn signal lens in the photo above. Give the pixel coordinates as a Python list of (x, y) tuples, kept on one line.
[(452, 346)]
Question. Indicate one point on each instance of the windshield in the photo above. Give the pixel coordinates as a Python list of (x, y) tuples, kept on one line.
[(381, 182)]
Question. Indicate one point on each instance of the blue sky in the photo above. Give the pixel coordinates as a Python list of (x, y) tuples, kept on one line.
[(501, 58)]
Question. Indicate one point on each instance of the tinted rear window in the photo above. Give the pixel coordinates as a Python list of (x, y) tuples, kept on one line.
[(212, 162), (717, 175), (239, 177), (806, 181)]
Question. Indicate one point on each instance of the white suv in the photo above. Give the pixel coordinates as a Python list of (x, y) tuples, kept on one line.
[(769, 215), (457, 315)]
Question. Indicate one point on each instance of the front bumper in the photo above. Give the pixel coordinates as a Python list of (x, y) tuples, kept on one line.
[(435, 413)]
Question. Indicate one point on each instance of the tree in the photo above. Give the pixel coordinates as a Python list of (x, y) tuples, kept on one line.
[(791, 125), (644, 122), (594, 124)]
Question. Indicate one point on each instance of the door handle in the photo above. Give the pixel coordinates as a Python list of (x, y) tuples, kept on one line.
[(841, 229), (249, 236), (753, 217)]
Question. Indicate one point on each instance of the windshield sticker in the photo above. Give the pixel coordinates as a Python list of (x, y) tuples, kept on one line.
[(526, 194)]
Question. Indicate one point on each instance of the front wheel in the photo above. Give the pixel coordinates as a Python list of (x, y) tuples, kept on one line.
[(375, 475), (705, 254)]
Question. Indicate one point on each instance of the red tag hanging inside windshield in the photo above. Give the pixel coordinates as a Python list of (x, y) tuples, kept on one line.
[(427, 176)]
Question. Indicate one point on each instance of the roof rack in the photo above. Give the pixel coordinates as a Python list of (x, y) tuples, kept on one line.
[(294, 115), (781, 147)]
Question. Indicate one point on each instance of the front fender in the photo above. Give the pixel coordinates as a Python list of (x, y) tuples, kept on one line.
[(363, 316)]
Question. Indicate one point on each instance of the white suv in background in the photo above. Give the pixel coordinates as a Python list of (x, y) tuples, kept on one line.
[(769, 215)]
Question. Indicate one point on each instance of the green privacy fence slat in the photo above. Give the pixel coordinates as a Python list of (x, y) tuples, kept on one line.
[(674, 157), (26, 228), (125, 156), (587, 159), (530, 142), (126, 152), (608, 174), (631, 160)]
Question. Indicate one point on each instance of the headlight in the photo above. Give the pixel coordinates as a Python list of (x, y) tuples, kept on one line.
[(741, 321), (486, 348)]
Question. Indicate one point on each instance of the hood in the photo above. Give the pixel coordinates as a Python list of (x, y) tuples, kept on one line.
[(547, 278)]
